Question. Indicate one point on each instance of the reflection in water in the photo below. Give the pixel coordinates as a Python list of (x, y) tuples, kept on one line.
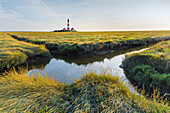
[(65, 69), (92, 59), (36, 64), (67, 72)]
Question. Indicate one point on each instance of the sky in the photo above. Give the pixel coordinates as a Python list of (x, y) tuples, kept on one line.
[(84, 15)]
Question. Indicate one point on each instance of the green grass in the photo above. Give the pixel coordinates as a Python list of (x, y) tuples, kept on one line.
[(150, 68), (85, 42), (14, 52), (92, 93), (87, 37)]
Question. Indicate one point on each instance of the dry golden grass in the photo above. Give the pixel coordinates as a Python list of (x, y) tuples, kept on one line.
[(82, 43), (87, 37), (14, 52), (92, 93)]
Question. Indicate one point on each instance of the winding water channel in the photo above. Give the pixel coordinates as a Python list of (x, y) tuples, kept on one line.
[(65, 69)]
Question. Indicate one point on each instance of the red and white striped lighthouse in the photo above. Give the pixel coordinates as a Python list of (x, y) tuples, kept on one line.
[(68, 25)]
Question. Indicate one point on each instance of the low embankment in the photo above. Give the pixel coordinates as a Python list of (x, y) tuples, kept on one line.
[(93, 48), (150, 68), (14, 52), (90, 43), (92, 93)]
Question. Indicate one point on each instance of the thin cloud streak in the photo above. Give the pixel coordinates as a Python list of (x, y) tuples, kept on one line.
[(84, 15), (43, 9)]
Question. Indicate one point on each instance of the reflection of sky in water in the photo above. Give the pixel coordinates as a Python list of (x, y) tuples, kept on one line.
[(67, 72), (64, 72)]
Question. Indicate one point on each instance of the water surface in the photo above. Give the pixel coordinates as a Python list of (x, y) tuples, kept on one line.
[(66, 69)]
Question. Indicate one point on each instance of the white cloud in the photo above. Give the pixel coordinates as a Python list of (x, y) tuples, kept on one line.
[(15, 20), (43, 9), (10, 19)]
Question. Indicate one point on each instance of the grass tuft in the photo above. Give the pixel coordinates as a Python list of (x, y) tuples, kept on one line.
[(92, 93)]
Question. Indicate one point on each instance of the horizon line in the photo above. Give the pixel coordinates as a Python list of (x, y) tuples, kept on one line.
[(87, 30)]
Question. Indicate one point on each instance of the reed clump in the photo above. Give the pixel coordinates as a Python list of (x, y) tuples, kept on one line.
[(92, 93)]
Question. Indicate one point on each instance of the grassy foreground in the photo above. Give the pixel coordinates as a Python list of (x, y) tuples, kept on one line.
[(150, 68), (14, 52), (92, 93), (71, 43)]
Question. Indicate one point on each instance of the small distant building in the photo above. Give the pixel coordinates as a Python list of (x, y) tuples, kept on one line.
[(64, 29), (72, 29)]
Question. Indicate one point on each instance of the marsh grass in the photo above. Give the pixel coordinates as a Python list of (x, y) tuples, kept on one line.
[(87, 37), (150, 68), (71, 43), (92, 93), (14, 52)]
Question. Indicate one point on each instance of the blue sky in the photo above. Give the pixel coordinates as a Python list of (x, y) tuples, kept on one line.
[(85, 15)]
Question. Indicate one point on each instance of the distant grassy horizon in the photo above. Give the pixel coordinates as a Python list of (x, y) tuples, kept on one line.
[(84, 30), (80, 43)]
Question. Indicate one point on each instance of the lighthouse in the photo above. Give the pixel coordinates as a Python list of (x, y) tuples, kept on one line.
[(66, 29), (68, 25)]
